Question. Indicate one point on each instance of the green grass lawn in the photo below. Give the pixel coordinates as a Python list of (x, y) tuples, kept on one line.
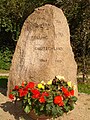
[(82, 87), (4, 71)]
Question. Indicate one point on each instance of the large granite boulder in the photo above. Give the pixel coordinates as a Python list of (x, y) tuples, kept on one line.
[(43, 50)]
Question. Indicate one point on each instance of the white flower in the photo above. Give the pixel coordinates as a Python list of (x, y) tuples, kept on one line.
[(74, 87), (60, 77), (42, 82)]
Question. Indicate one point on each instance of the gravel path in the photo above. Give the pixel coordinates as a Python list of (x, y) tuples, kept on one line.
[(4, 74), (8, 110)]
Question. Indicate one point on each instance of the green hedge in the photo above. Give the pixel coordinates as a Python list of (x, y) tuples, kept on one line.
[(5, 59)]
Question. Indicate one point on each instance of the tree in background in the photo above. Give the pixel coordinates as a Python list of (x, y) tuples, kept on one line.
[(79, 21), (14, 12)]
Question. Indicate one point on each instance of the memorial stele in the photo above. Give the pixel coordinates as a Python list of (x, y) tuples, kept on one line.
[(43, 50)]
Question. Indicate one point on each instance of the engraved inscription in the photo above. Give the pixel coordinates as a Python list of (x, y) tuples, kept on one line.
[(42, 60), (58, 61), (39, 37), (48, 48), (45, 60), (58, 21), (61, 34)]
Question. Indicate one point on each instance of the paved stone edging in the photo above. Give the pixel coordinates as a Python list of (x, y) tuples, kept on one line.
[(4, 74)]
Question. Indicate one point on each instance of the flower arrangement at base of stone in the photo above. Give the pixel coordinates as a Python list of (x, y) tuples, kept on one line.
[(53, 98)]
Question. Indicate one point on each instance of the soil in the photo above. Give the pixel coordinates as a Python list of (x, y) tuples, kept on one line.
[(10, 111)]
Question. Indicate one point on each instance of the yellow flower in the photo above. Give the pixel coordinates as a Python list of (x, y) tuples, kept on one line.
[(69, 84), (40, 86), (42, 82), (49, 82), (60, 77)]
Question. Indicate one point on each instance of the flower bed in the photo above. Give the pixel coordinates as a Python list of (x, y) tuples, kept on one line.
[(53, 98)]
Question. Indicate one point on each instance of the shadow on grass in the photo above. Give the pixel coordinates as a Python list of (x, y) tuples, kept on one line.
[(15, 110), (3, 85)]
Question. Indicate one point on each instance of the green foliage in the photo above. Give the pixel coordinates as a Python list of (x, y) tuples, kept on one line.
[(14, 12), (79, 21), (4, 71), (27, 109), (46, 100), (5, 59)]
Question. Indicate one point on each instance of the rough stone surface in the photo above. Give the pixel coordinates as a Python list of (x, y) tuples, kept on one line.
[(43, 49)]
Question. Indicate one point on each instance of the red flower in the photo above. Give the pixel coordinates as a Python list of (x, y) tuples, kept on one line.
[(64, 90), (72, 92), (61, 103), (67, 93), (42, 99), (45, 94), (30, 85), (11, 96), (22, 92), (59, 100), (36, 93), (16, 87), (23, 84)]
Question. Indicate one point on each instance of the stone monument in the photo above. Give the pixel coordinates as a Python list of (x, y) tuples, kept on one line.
[(43, 50)]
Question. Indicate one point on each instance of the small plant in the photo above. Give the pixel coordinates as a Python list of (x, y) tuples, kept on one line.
[(53, 98)]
